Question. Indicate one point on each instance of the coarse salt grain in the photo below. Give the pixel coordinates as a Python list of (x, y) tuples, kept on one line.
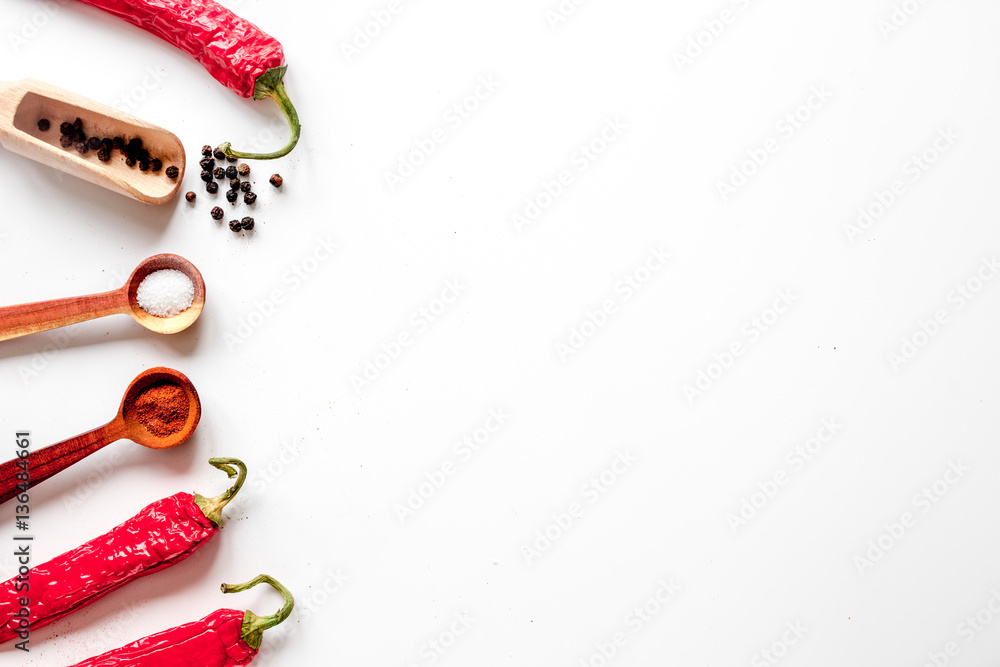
[(165, 293)]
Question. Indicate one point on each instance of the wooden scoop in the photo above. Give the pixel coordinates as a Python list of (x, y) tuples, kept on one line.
[(31, 318), (47, 461), (24, 103)]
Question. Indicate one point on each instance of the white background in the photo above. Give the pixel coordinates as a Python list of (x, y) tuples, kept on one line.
[(333, 462)]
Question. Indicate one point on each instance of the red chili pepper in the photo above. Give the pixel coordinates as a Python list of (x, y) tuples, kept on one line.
[(163, 533), (237, 53), (224, 638)]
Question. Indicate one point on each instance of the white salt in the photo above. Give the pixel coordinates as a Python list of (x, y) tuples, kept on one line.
[(165, 293)]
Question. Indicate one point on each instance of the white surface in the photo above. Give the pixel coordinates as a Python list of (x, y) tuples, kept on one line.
[(331, 464)]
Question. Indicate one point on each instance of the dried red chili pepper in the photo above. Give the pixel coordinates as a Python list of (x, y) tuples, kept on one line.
[(224, 638), (163, 533), (237, 53)]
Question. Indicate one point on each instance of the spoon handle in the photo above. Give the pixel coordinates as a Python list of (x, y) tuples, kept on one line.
[(47, 461), (29, 318)]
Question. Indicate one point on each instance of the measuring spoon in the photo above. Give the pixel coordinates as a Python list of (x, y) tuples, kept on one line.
[(47, 461), (31, 318), (24, 103)]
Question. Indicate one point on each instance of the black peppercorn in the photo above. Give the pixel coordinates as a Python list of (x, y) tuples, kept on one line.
[(156, 164), (143, 165), (217, 213), (93, 143), (243, 169), (247, 223), (106, 141), (206, 150), (245, 186), (276, 180), (249, 198), (219, 173), (235, 225), (78, 124), (65, 141), (234, 184), (130, 161), (231, 172), (207, 163), (133, 147), (212, 187), (104, 153), (65, 128), (173, 172), (206, 175), (142, 155), (219, 155), (190, 196), (231, 196), (81, 148), (44, 124)]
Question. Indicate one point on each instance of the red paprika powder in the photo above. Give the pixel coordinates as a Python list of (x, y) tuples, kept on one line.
[(162, 408)]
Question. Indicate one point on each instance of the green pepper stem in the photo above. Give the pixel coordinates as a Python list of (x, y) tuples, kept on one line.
[(271, 84), (253, 625), (212, 507)]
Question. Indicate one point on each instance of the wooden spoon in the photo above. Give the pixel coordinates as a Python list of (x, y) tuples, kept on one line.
[(24, 103), (47, 461), (31, 318)]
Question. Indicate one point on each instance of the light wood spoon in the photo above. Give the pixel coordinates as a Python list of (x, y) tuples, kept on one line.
[(24, 103), (47, 461), (31, 318)]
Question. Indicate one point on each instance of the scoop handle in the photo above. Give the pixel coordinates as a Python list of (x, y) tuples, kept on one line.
[(10, 95), (29, 318), (47, 461)]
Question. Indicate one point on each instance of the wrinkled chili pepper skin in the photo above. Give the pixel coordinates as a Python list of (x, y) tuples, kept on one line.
[(214, 641), (161, 534), (233, 50)]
